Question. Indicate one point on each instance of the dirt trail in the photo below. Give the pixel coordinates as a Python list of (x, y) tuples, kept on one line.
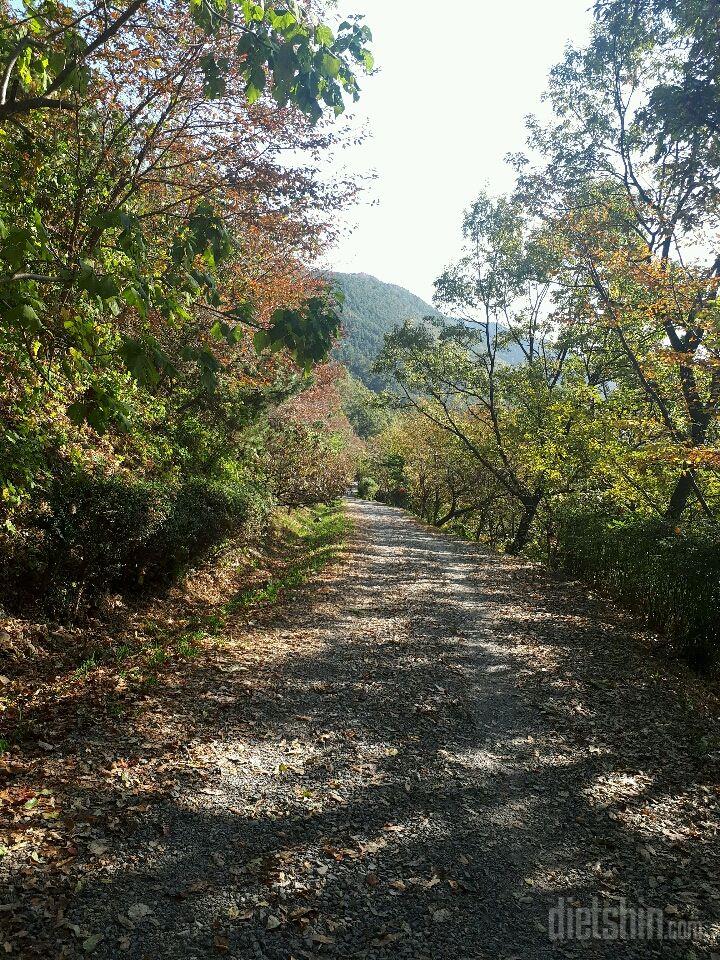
[(416, 758)]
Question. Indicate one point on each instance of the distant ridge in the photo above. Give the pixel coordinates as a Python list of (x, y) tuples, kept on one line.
[(372, 308)]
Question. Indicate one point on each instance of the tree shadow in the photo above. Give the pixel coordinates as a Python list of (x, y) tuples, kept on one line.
[(417, 758)]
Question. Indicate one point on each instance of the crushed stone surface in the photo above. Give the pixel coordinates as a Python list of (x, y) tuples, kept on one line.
[(416, 757)]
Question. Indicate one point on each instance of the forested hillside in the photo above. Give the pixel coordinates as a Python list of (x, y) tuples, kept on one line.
[(370, 310)]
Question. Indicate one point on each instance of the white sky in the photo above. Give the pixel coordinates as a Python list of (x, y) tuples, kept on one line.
[(456, 81)]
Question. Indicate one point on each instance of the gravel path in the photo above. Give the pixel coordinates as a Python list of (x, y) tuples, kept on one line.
[(416, 759)]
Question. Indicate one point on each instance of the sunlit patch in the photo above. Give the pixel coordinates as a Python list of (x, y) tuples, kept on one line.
[(612, 788), (681, 816), (532, 752), (556, 880), (487, 761), (514, 814)]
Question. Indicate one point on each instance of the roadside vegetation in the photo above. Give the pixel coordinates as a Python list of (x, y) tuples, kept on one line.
[(163, 337), (102, 668), (569, 407)]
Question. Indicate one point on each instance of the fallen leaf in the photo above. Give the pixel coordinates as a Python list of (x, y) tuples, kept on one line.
[(139, 910), (386, 938), (197, 886)]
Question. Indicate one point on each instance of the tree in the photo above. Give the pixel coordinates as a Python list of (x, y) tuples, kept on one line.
[(311, 453), (628, 157), (364, 409), (49, 52), (156, 298), (442, 480), (528, 425)]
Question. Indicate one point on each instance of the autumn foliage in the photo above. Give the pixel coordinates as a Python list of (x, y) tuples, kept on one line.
[(570, 408), (160, 211)]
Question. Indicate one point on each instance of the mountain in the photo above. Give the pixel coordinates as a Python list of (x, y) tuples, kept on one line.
[(372, 308)]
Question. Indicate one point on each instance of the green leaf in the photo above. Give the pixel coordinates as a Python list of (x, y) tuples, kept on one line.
[(330, 65), (261, 340), (102, 286), (91, 942), (133, 298), (324, 35), (145, 360), (213, 71), (256, 85), (25, 316), (285, 63)]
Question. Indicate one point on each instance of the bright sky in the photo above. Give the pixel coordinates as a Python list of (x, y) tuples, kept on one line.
[(455, 84)]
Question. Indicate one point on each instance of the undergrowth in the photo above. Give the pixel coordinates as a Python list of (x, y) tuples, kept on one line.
[(104, 670)]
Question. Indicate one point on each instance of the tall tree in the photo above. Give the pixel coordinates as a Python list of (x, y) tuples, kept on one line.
[(526, 423), (156, 229), (626, 141)]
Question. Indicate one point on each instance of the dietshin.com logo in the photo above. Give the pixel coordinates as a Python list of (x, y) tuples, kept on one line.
[(620, 921)]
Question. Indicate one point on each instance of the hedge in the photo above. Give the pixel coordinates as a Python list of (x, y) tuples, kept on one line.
[(670, 572), (95, 535)]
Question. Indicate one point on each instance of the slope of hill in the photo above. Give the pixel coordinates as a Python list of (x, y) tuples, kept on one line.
[(372, 308)]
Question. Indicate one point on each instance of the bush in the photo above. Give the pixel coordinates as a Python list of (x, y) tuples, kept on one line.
[(367, 488), (305, 466), (98, 534), (669, 572)]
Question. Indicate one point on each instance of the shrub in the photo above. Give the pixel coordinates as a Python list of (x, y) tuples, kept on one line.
[(367, 488), (669, 572), (305, 466), (96, 534)]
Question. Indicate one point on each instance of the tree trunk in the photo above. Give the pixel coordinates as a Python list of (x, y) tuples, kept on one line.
[(680, 496), (452, 510), (522, 535)]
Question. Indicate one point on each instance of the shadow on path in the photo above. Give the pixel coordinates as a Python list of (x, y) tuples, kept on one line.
[(417, 759)]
